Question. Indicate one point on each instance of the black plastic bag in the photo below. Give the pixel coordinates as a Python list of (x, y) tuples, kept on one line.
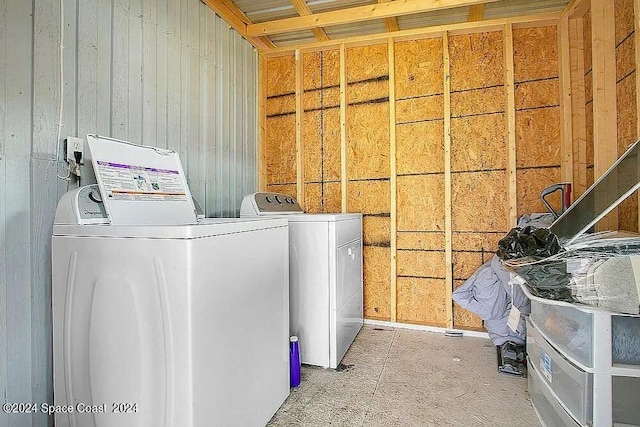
[(528, 242)]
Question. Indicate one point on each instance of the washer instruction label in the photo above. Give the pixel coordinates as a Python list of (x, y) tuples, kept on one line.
[(139, 183)]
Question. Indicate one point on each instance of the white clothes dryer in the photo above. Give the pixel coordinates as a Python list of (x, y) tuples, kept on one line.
[(325, 281)]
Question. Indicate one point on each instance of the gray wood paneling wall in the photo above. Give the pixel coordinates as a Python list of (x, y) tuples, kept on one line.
[(167, 73)]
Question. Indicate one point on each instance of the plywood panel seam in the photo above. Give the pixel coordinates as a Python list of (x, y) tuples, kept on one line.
[(281, 95), (537, 167), (381, 100), (420, 174), (489, 113), (419, 121), (328, 181), (322, 87), (288, 113), (475, 88), (625, 39), (541, 79), (407, 98), (630, 73), (380, 78), (542, 107), (368, 179), (468, 171)]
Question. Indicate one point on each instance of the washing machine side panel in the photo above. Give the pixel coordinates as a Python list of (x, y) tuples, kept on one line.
[(240, 323), (114, 342), (309, 290)]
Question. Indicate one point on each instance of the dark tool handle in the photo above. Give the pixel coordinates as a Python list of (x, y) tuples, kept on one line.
[(550, 190)]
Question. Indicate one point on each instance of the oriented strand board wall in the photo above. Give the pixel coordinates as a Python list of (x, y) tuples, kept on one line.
[(421, 284), (478, 155), (626, 99), (321, 131), (368, 166), (537, 103), (280, 125)]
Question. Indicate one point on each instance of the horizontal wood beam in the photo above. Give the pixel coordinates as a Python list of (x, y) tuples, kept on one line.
[(228, 11), (355, 14), (303, 9), (436, 31)]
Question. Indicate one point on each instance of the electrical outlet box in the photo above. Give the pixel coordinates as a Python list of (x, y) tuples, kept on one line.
[(74, 145)]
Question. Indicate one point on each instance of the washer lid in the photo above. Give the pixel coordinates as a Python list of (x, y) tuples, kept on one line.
[(140, 185)]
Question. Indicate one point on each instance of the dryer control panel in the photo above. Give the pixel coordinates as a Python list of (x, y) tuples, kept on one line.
[(258, 204)]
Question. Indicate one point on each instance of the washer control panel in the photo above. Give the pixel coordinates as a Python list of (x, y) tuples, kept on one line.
[(90, 204), (82, 206), (257, 204)]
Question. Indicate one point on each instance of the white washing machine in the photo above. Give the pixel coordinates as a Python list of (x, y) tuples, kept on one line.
[(325, 279), (159, 320)]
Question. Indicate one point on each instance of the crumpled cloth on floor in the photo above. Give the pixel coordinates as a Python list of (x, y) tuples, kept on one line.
[(487, 293)]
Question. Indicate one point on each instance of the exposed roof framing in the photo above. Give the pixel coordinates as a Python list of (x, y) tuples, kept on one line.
[(239, 21), (390, 23), (279, 25), (498, 24), (303, 10), (353, 14)]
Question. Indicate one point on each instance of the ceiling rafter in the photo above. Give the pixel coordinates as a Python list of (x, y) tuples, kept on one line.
[(390, 23), (303, 9), (355, 14), (238, 21), (476, 12)]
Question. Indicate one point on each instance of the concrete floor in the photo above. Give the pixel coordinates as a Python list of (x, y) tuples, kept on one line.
[(400, 377)]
